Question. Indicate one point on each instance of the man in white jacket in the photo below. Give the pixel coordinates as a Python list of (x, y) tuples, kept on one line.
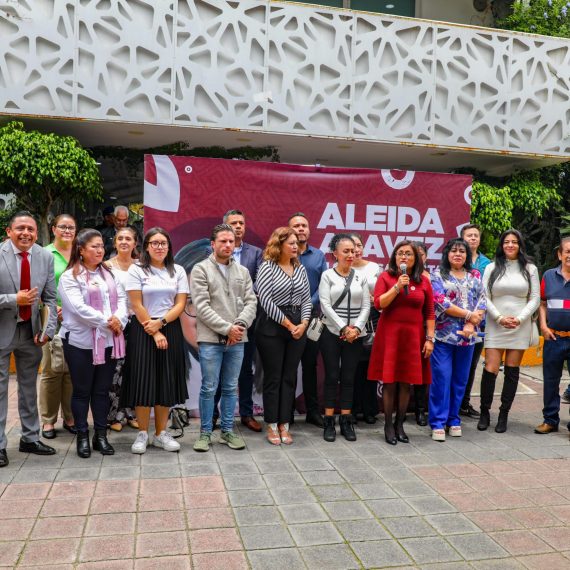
[(222, 293)]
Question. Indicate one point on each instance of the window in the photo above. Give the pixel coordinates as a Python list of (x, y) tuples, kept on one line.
[(394, 7)]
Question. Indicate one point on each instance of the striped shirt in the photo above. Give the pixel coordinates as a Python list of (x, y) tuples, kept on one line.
[(275, 288)]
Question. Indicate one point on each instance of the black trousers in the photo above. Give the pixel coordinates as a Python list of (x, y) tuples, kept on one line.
[(309, 366), (91, 385), (475, 360), (341, 360), (280, 354), (365, 398)]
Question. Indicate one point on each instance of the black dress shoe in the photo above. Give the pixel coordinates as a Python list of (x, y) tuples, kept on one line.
[(313, 417), (36, 447), (421, 418), (83, 447), (401, 434), (370, 419), (70, 429), (389, 435), (49, 433), (101, 444), (3, 458)]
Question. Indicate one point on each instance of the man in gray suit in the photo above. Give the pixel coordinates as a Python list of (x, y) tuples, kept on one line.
[(250, 257), (26, 277)]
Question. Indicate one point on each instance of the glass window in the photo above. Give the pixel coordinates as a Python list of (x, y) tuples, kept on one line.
[(395, 7)]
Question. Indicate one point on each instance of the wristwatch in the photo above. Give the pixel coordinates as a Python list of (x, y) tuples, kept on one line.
[(164, 321), (430, 338)]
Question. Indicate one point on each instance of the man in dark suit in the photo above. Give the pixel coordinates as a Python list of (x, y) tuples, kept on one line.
[(250, 257), (26, 278)]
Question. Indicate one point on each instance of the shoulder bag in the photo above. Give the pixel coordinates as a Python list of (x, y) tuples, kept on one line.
[(316, 325)]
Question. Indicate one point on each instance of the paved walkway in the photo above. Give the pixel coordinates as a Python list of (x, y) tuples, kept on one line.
[(481, 501)]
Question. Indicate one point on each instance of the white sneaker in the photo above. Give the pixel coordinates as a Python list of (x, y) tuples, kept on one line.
[(455, 431), (139, 446), (166, 441), (438, 435)]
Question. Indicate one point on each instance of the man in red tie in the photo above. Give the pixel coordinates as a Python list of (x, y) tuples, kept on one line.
[(26, 280)]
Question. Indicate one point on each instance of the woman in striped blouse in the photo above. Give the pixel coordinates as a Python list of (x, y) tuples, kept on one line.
[(285, 300)]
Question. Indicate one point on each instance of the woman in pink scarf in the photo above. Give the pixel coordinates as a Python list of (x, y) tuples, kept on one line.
[(94, 310)]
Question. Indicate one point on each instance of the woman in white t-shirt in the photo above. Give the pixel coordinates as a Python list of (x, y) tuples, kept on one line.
[(155, 367), (125, 243)]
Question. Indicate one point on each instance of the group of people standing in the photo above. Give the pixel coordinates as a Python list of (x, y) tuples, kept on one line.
[(113, 343)]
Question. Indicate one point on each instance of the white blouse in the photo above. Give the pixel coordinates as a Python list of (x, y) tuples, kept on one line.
[(79, 318)]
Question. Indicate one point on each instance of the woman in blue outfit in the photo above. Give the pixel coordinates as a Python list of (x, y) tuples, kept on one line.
[(460, 305)]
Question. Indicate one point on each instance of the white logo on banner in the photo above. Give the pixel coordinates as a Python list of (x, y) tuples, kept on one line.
[(398, 183), (165, 195), (467, 194)]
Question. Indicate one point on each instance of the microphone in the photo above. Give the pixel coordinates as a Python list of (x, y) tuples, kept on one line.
[(404, 269)]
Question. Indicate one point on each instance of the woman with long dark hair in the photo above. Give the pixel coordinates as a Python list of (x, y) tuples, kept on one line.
[(404, 339), (125, 243), (513, 295), (94, 309), (459, 307), (55, 385), (155, 367)]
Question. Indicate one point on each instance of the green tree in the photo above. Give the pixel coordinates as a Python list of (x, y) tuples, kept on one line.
[(547, 17), (45, 170)]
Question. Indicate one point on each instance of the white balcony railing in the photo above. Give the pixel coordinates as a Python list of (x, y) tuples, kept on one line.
[(285, 68)]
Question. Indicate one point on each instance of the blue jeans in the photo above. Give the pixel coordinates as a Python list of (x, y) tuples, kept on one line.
[(555, 353), (220, 364), (450, 366)]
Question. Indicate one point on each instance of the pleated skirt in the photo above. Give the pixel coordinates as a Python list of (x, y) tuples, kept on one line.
[(153, 377)]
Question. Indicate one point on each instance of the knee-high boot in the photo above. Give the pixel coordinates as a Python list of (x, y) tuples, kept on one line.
[(507, 396), (487, 390)]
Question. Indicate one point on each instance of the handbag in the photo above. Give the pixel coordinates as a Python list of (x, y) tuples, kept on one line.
[(316, 325), (55, 347), (370, 329), (534, 333)]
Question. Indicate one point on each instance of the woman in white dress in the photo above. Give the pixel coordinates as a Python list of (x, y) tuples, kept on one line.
[(513, 295)]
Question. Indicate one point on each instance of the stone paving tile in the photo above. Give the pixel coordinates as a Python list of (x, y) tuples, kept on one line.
[(210, 518), (553, 561), (429, 550), (557, 538), (304, 513), (335, 493), (25, 491), (10, 552), (113, 504), (331, 557), (54, 551), (290, 496), (380, 554), (161, 562), (214, 540), (520, 542), (266, 536), (110, 524), (107, 548), (218, 561), (322, 478), (476, 546), (374, 491), (59, 527), (453, 523), (250, 498), (245, 481), (430, 505), (314, 534), (276, 559), (206, 500), (362, 530), (150, 521), (535, 517), (347, 510), (251, 516), (160, 486), (161, 544), (66, 507), (384, 508), (408, 527), (161, 502), (106, 488)]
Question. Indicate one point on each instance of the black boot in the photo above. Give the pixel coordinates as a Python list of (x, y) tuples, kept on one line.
[(484, 419), (83, 448), (508, 393), (330, 432), (487, 390), (101, 444), (421, 417), (400, 433), (347, 427)]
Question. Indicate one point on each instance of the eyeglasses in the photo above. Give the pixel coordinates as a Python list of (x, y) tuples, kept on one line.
[(158, 244), (66, 228), (405, 254)]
